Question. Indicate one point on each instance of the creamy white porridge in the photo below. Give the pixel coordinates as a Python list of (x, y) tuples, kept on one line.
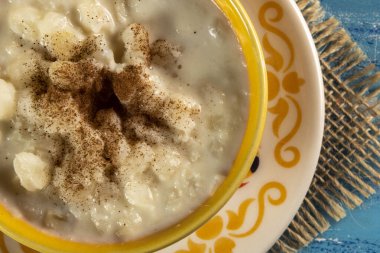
[(117, 118)]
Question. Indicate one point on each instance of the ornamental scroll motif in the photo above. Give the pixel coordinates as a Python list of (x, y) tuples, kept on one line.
[(281, 77), (219, 235)]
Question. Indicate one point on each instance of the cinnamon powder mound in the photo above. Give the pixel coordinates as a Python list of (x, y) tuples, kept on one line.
[(129, 86), (100, 116), (74, 76), (142, 97)]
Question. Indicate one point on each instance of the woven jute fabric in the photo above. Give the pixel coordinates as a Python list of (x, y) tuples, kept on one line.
[(348, 168)]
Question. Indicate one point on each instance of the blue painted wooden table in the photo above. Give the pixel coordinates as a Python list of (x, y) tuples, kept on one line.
[(360, 230)]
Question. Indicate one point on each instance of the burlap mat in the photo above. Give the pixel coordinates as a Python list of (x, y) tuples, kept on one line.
[(348, 167)]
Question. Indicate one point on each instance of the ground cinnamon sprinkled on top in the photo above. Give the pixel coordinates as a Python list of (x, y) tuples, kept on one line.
[(84, 103)]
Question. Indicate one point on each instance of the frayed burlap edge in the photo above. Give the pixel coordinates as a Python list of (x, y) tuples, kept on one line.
[(348, 167)]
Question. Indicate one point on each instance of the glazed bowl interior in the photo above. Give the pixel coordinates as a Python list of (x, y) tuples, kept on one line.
[(30, 236)]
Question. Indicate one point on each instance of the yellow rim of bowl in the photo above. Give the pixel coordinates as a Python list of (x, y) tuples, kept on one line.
[(29, 235)]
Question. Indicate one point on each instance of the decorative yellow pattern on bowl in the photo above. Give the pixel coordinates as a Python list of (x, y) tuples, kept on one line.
[(279, 66), (212, 230)]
